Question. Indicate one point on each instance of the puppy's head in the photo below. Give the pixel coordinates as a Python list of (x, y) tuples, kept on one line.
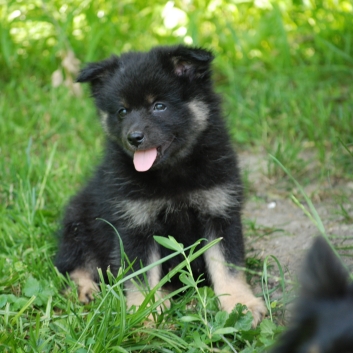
[(323, 315), (154, 104)]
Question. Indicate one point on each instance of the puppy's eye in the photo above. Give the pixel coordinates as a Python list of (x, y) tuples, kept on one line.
[(159, 107), (122, 112)]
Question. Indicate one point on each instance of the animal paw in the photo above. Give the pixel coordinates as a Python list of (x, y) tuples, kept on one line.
[(257, 308), (85, 285)]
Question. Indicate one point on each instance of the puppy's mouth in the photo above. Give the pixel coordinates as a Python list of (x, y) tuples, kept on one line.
[(145, 159)]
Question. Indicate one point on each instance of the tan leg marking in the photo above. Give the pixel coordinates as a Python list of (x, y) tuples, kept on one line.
[(85, 284), (232, 288), (154, 276), (135, 295)]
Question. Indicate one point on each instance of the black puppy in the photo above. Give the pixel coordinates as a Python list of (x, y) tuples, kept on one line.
[(169, 169), (323, 315)]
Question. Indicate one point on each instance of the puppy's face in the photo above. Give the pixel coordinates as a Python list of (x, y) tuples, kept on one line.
[(147, 117), (153, 104)]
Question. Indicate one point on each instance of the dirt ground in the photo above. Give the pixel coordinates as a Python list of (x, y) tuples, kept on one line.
[(279, 227)]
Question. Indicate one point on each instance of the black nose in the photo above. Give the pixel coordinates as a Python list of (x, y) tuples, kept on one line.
[(135, 138)]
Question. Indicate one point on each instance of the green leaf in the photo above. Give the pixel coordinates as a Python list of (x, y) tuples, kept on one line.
[(244, 322), (46, 292), (267, 327), (212, 300), (190, 318), (3, 300), (267, 341), (169, 243), (221, 318), (187, 279), (225, 331), (199, 341), (91, 340), (240, 320), (19, 303), (31, 287)]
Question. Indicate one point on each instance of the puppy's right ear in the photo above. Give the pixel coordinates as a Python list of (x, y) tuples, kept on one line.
[(97, 72)]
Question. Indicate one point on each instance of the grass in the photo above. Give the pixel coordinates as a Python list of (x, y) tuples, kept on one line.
[(287, 89)]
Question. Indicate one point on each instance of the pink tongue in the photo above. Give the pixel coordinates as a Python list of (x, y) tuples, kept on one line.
[(143, 160)]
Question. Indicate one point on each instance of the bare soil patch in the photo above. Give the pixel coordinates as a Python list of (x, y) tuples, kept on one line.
[(279, 227)]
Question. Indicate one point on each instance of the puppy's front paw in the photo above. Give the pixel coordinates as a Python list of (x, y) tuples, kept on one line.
[(85, 285), (257, 308), (255, 305), (231, 287)]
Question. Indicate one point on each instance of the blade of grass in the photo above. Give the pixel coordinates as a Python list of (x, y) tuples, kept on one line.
[(40, 199), (24, 308), (264, 282), (313, 215), (345, 146)]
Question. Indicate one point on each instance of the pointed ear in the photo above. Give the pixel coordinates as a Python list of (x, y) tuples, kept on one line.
[(191, 62), (323, 275), (97, 72)]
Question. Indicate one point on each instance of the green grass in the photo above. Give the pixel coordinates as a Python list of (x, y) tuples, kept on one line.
[(285, 73)]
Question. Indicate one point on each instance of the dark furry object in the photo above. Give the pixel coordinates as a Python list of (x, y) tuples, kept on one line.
[(169, 169), (323, 315)]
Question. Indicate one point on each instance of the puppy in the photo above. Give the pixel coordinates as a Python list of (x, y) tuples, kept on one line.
[(169, 169), (323, 315)]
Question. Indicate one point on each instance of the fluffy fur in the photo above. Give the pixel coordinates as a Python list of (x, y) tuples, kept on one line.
[(323, 315), (162, 100)]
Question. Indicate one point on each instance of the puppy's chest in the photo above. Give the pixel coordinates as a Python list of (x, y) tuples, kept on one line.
[(214, 202)]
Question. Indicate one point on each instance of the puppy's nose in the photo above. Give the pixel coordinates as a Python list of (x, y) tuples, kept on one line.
[(135, 138)]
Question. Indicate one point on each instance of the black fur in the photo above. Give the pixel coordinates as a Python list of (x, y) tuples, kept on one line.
[(195, 160), (323, 315)]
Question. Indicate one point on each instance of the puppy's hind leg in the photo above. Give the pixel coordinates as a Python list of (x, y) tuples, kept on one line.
[(231, 287), (77, 257)]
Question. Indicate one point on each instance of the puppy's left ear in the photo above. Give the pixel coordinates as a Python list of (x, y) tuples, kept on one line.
[(191, 62), (323, 275)]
